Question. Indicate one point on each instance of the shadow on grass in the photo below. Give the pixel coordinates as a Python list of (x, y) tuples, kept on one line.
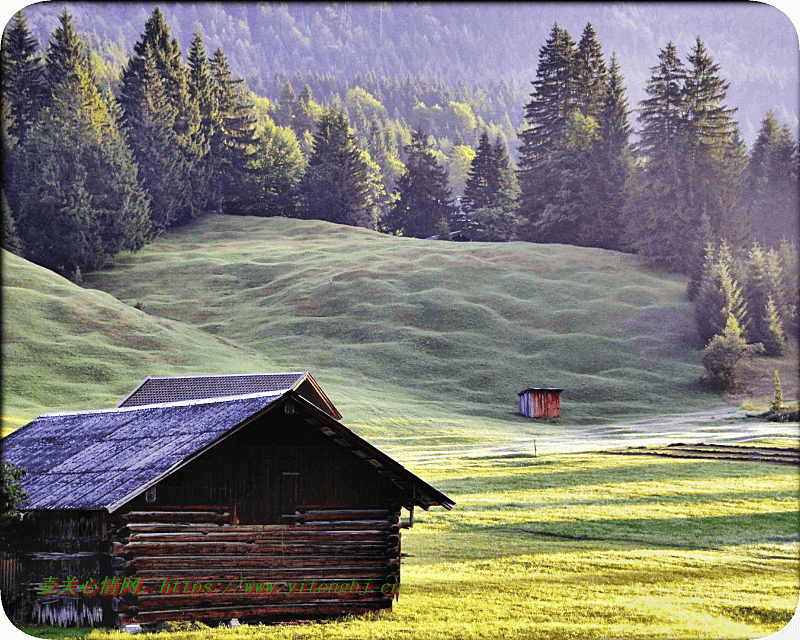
[(663, 471), (707, 532)]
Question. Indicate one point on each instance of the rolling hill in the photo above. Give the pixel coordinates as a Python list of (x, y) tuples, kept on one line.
[(397, 330)]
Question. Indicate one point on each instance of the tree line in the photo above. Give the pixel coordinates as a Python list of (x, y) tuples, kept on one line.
[(94, 168)]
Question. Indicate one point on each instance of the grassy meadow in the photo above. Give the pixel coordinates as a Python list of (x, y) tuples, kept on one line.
[(584, 545), (422, 346)]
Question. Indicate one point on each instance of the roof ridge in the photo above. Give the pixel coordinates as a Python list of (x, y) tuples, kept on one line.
[(227, 375), (176, 403)]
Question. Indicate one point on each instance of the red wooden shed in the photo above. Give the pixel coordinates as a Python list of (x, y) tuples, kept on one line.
[(540, 402)]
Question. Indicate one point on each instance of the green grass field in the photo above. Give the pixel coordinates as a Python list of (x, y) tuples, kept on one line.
[(423, 346), (460, 326), (584, 546)]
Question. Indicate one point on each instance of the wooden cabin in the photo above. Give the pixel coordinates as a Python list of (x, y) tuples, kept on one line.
[(538, 402), (259, 506)]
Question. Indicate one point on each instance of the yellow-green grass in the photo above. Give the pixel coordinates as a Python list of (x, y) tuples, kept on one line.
[(396, 326), (585, 546)]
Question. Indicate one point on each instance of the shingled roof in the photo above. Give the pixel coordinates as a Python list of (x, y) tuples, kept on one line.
[(102, 459), (174, 389)]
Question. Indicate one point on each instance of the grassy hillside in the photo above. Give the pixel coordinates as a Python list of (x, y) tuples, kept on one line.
[(403, 328), (65, 347)]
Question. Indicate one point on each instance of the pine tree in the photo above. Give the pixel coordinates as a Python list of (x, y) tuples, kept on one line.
[(334, 187), (80, 202), (722, 355), (711, 179), (158, 113), (24, 88), (770, 186), (591, 74), (234, 136), (764, 292), (659, 224), (775, 337), (613, 164), (720, 295), (552, 102), (423, 197), (483, 182), (11, 241), (790, 284)]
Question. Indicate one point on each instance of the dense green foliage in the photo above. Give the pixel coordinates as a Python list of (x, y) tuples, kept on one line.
[(424, 204), (722, 354)]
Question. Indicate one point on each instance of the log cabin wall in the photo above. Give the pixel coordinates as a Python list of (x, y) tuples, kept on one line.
[(271, 467), (193, 565), (57, 545), (293, 506)]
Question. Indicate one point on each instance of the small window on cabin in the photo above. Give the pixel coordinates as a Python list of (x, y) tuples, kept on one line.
[(150, 495)]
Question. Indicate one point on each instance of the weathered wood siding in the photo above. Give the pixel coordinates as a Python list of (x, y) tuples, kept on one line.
[(192, 565), (540, 403), (271, 467), (59, 545)]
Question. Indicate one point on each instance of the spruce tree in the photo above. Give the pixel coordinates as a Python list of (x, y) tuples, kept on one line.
[(771, 183), (24, 88), (591, 74), (712, 178), (720, 295), (158, 113), (658, 223), (233, 138), (483, 182), (613, 163), (334, 186), (552, 102), (423, 197), (80, 202)]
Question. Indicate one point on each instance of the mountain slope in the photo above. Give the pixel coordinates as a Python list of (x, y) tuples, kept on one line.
[(398, 326), (65, 347)]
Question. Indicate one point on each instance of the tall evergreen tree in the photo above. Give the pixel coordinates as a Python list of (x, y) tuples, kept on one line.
[(79, 199), (591, 74), (423, 197), (720, 294), (158, 113), (334, 187), (710, 135), (483, 182), (24, 88), (771, 183), (658, 223), (234, 137), (613, 164), (552, 102)]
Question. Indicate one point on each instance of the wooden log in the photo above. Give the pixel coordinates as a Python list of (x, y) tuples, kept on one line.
[(189, 517), (180, 547), (299, 611), (342, 514), (155, 577), (224, 534), (252, 560), (354, 525)]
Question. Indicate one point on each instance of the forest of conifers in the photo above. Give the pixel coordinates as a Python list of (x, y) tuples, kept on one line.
[(105, 150)]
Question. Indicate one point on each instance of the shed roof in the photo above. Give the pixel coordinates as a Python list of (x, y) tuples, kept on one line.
[(174, 389), (102, 459), (519, 393)]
